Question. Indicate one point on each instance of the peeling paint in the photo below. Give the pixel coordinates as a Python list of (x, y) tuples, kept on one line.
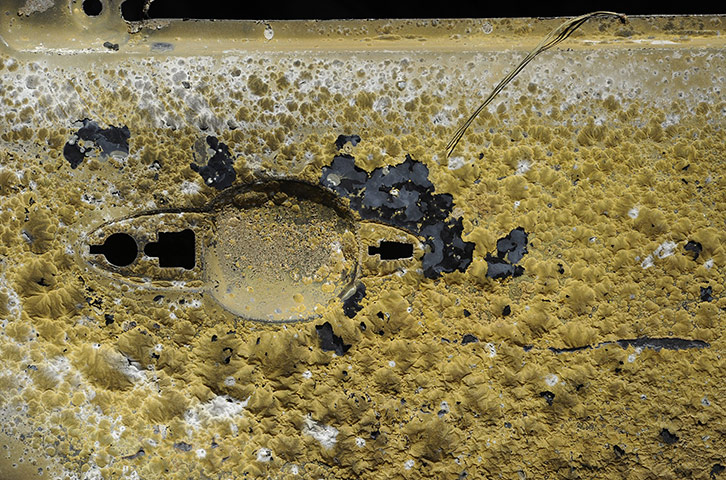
[(572, 361)]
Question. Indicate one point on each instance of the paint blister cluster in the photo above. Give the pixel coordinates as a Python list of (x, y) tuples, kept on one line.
[(565, 319)]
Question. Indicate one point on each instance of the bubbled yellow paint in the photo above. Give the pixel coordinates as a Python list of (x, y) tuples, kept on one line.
[(602, 153)]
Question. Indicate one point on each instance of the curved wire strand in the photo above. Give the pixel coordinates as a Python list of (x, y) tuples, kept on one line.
[(553, 38)]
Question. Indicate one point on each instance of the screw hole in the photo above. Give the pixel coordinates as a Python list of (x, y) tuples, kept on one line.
[(392, 250), (92, 8)]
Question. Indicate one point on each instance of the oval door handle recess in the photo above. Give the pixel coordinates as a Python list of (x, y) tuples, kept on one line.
[(273, 251)]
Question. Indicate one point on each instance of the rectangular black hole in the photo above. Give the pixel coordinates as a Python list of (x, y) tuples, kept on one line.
[(392, 250), (174, 249)]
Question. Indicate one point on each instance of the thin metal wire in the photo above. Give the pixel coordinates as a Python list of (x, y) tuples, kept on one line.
[(553, 38)]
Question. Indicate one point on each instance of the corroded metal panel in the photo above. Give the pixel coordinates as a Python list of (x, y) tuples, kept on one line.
[(239, 249)]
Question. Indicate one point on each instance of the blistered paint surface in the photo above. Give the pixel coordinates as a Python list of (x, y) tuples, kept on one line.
[(600, 358)]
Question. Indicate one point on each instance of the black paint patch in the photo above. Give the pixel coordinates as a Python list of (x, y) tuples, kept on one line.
[(695, 247), (500, 268), (351, 305), (329, 341), (345, 178), (469, 338), (343, 139), (706, 294), (162, 47), (74, 154), (668, 343), (402, 195), (513, 247), (183, 446), (447, 250), (573, 349), (108, 140), (506, 310), (548, 396), (219, 171), (668, 437), (111, 46), (716, 470)]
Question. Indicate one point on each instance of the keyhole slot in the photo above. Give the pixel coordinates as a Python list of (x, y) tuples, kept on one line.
[(120, 249), (173, 249), (392, 250)]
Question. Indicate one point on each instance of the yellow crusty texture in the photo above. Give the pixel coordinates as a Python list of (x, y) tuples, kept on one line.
[(602, 166)]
